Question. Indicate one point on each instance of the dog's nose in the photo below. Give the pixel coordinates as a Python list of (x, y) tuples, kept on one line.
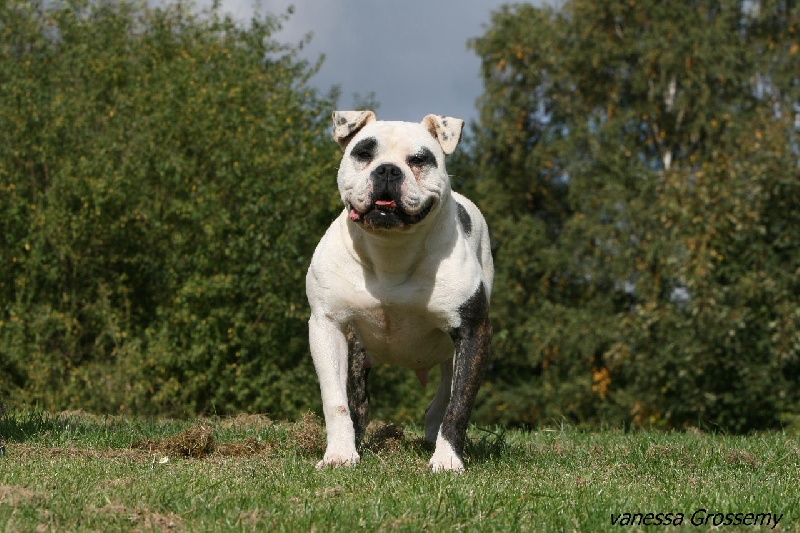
[(388, 171)]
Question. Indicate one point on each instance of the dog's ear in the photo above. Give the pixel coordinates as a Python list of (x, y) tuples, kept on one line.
[(447, 131), (347, 123)]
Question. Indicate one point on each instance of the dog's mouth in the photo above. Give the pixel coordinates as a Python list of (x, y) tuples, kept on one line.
[(385, 213)]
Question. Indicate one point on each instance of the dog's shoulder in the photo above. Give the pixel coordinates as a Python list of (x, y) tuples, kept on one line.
[(476, 232), (332, 262)]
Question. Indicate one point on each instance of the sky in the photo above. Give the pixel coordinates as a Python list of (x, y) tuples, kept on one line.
[(411, 54)]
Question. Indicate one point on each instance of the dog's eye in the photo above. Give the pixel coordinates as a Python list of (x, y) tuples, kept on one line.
[(421, 159), (364, 151), (363, 155)]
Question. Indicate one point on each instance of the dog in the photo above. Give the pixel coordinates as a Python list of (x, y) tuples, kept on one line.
[(403, 276)]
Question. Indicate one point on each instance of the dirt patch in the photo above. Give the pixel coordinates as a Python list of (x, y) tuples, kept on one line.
[(13, 495), (199, 442), (743, 458), (254, 520), (32, 451), (330, 492), (121, 482), (109, 508), (141, 519), (661, 451), (112, 453), (308, 436), (249, 446)]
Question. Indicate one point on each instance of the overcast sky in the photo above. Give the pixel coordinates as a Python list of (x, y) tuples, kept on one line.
[(412, 54)]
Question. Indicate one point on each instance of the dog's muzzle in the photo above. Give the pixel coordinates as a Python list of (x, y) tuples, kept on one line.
[(387, 210)]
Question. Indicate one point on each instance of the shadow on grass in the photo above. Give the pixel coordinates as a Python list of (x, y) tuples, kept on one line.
[(30, 425), (491, 446), (389, 438), (199, 438), (77, 426)]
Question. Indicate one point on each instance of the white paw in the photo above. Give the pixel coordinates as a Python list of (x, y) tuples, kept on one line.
[(449, 464), (333, 458), (445, 459)]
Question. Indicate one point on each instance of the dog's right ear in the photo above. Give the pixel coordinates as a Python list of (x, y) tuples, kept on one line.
[(347, 123)]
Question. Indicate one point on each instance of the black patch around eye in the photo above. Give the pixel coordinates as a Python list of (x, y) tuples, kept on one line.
[(364, 150), (422, 158)]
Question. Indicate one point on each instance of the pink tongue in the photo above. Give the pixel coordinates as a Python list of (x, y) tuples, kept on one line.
[(386, 203), (354, 215)]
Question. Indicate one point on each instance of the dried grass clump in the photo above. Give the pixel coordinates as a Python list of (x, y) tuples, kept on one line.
[(246, 448), (308, 435), (196, 442), (387, 438), (199, 442)]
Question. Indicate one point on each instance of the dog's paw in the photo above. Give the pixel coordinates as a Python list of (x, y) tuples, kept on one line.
[(448, 464), (446, 460), (339, 459)]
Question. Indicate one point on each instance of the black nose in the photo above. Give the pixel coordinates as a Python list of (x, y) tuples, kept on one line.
[(388, 171)]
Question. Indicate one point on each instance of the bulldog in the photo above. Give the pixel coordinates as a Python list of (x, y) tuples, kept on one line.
[(402, 276)]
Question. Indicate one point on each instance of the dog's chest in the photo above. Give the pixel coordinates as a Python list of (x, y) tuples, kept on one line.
[(403, 337), (403, 326)]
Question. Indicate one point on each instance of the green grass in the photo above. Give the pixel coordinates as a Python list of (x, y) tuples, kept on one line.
[(77, 472)]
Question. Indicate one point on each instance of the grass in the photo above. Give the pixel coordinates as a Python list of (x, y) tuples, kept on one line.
[(79, 472)]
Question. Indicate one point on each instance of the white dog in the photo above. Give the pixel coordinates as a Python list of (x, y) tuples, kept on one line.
[(402, 276)]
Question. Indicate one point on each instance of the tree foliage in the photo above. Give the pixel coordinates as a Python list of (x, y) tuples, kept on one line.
[(164, 177), (638, 162)]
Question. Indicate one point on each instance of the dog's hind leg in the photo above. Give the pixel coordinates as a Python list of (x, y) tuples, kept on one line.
[(435, 411), (357, 394)]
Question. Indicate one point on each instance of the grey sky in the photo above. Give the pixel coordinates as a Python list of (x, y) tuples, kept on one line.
[(412, 54)]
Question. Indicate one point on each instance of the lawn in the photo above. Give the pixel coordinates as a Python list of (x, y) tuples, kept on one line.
[(80, 472)]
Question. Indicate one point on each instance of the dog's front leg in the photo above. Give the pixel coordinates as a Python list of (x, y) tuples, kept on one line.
[(357, 395), (472, 340), (329, 352)]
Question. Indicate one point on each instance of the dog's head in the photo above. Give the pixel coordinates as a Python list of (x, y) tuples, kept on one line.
[(392, 175)]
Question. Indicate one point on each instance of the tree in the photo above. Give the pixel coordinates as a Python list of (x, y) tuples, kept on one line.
[(164, 178), (639, 166)]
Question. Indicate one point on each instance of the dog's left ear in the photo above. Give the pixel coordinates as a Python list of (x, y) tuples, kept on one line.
[(347, 123), (447, 131)]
